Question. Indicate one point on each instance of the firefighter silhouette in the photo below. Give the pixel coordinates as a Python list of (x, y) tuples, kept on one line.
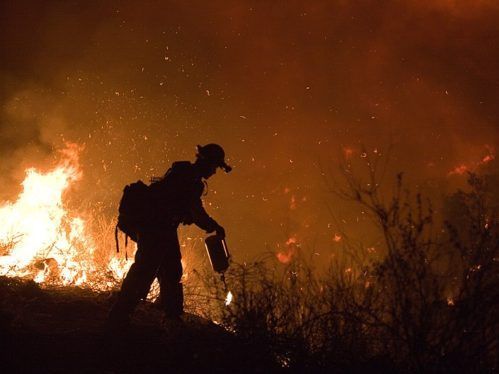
[(177, 199)]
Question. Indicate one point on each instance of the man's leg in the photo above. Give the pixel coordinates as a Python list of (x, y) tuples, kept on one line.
[(171, 298), (140, 276)]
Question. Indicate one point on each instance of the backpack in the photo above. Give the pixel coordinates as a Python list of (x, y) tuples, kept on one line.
[(133, 211)]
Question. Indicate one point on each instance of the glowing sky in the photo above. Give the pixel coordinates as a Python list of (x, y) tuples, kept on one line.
[(283, 85)]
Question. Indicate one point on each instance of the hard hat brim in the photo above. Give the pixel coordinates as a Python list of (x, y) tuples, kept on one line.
[(225, 167)]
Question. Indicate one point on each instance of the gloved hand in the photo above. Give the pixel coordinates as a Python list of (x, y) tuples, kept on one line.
[(220, 231)]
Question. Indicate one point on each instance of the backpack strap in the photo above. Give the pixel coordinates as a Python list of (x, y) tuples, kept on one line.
[(116, 231), (116, 239), (126, 244)]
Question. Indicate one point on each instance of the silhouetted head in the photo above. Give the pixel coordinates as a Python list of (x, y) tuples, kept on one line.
[(210, 157)]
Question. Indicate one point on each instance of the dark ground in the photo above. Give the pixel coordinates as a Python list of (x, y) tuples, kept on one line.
[(63, 331)]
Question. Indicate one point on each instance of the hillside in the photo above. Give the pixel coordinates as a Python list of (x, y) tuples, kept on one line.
[(62, 330)]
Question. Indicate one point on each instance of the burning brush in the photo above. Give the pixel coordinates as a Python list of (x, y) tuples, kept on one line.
[(42, 240)]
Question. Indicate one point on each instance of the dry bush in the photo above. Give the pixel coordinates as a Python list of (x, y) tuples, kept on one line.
[(408, 310)]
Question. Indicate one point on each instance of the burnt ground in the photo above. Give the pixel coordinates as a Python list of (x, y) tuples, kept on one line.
[(63, 331)]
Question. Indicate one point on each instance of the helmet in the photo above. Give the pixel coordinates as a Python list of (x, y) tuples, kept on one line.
[(214, 154)]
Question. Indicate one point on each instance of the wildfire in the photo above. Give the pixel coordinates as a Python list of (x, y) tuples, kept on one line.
[(41, 240)]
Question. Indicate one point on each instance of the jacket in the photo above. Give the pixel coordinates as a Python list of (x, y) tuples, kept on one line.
[(176, 198)]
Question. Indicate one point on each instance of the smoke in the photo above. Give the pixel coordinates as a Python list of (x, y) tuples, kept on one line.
[(283, 86)]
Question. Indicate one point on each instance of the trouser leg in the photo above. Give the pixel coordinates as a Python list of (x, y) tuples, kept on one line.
[(169, 275), (139, 278)]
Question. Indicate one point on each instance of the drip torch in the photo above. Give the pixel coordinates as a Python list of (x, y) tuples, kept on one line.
[(219, 256)]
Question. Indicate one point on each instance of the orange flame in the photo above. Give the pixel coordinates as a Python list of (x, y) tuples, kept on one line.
[(285, 256), (459, 170), (487, 159), (347, 152), (463, 168), (45, 242)]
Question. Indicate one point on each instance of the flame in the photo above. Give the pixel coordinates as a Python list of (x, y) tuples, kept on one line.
[(44, 241), (119, 267), (285, 256), (347, 152), (487, 159), (459, 170), (228, 298), (463, 168)]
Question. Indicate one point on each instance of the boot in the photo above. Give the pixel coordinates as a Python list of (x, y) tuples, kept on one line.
[(118, 319)]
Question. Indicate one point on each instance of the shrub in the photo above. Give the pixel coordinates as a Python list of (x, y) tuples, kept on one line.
[(429, 304)]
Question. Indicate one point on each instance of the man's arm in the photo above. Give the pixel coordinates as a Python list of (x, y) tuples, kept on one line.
[(201, 218)]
